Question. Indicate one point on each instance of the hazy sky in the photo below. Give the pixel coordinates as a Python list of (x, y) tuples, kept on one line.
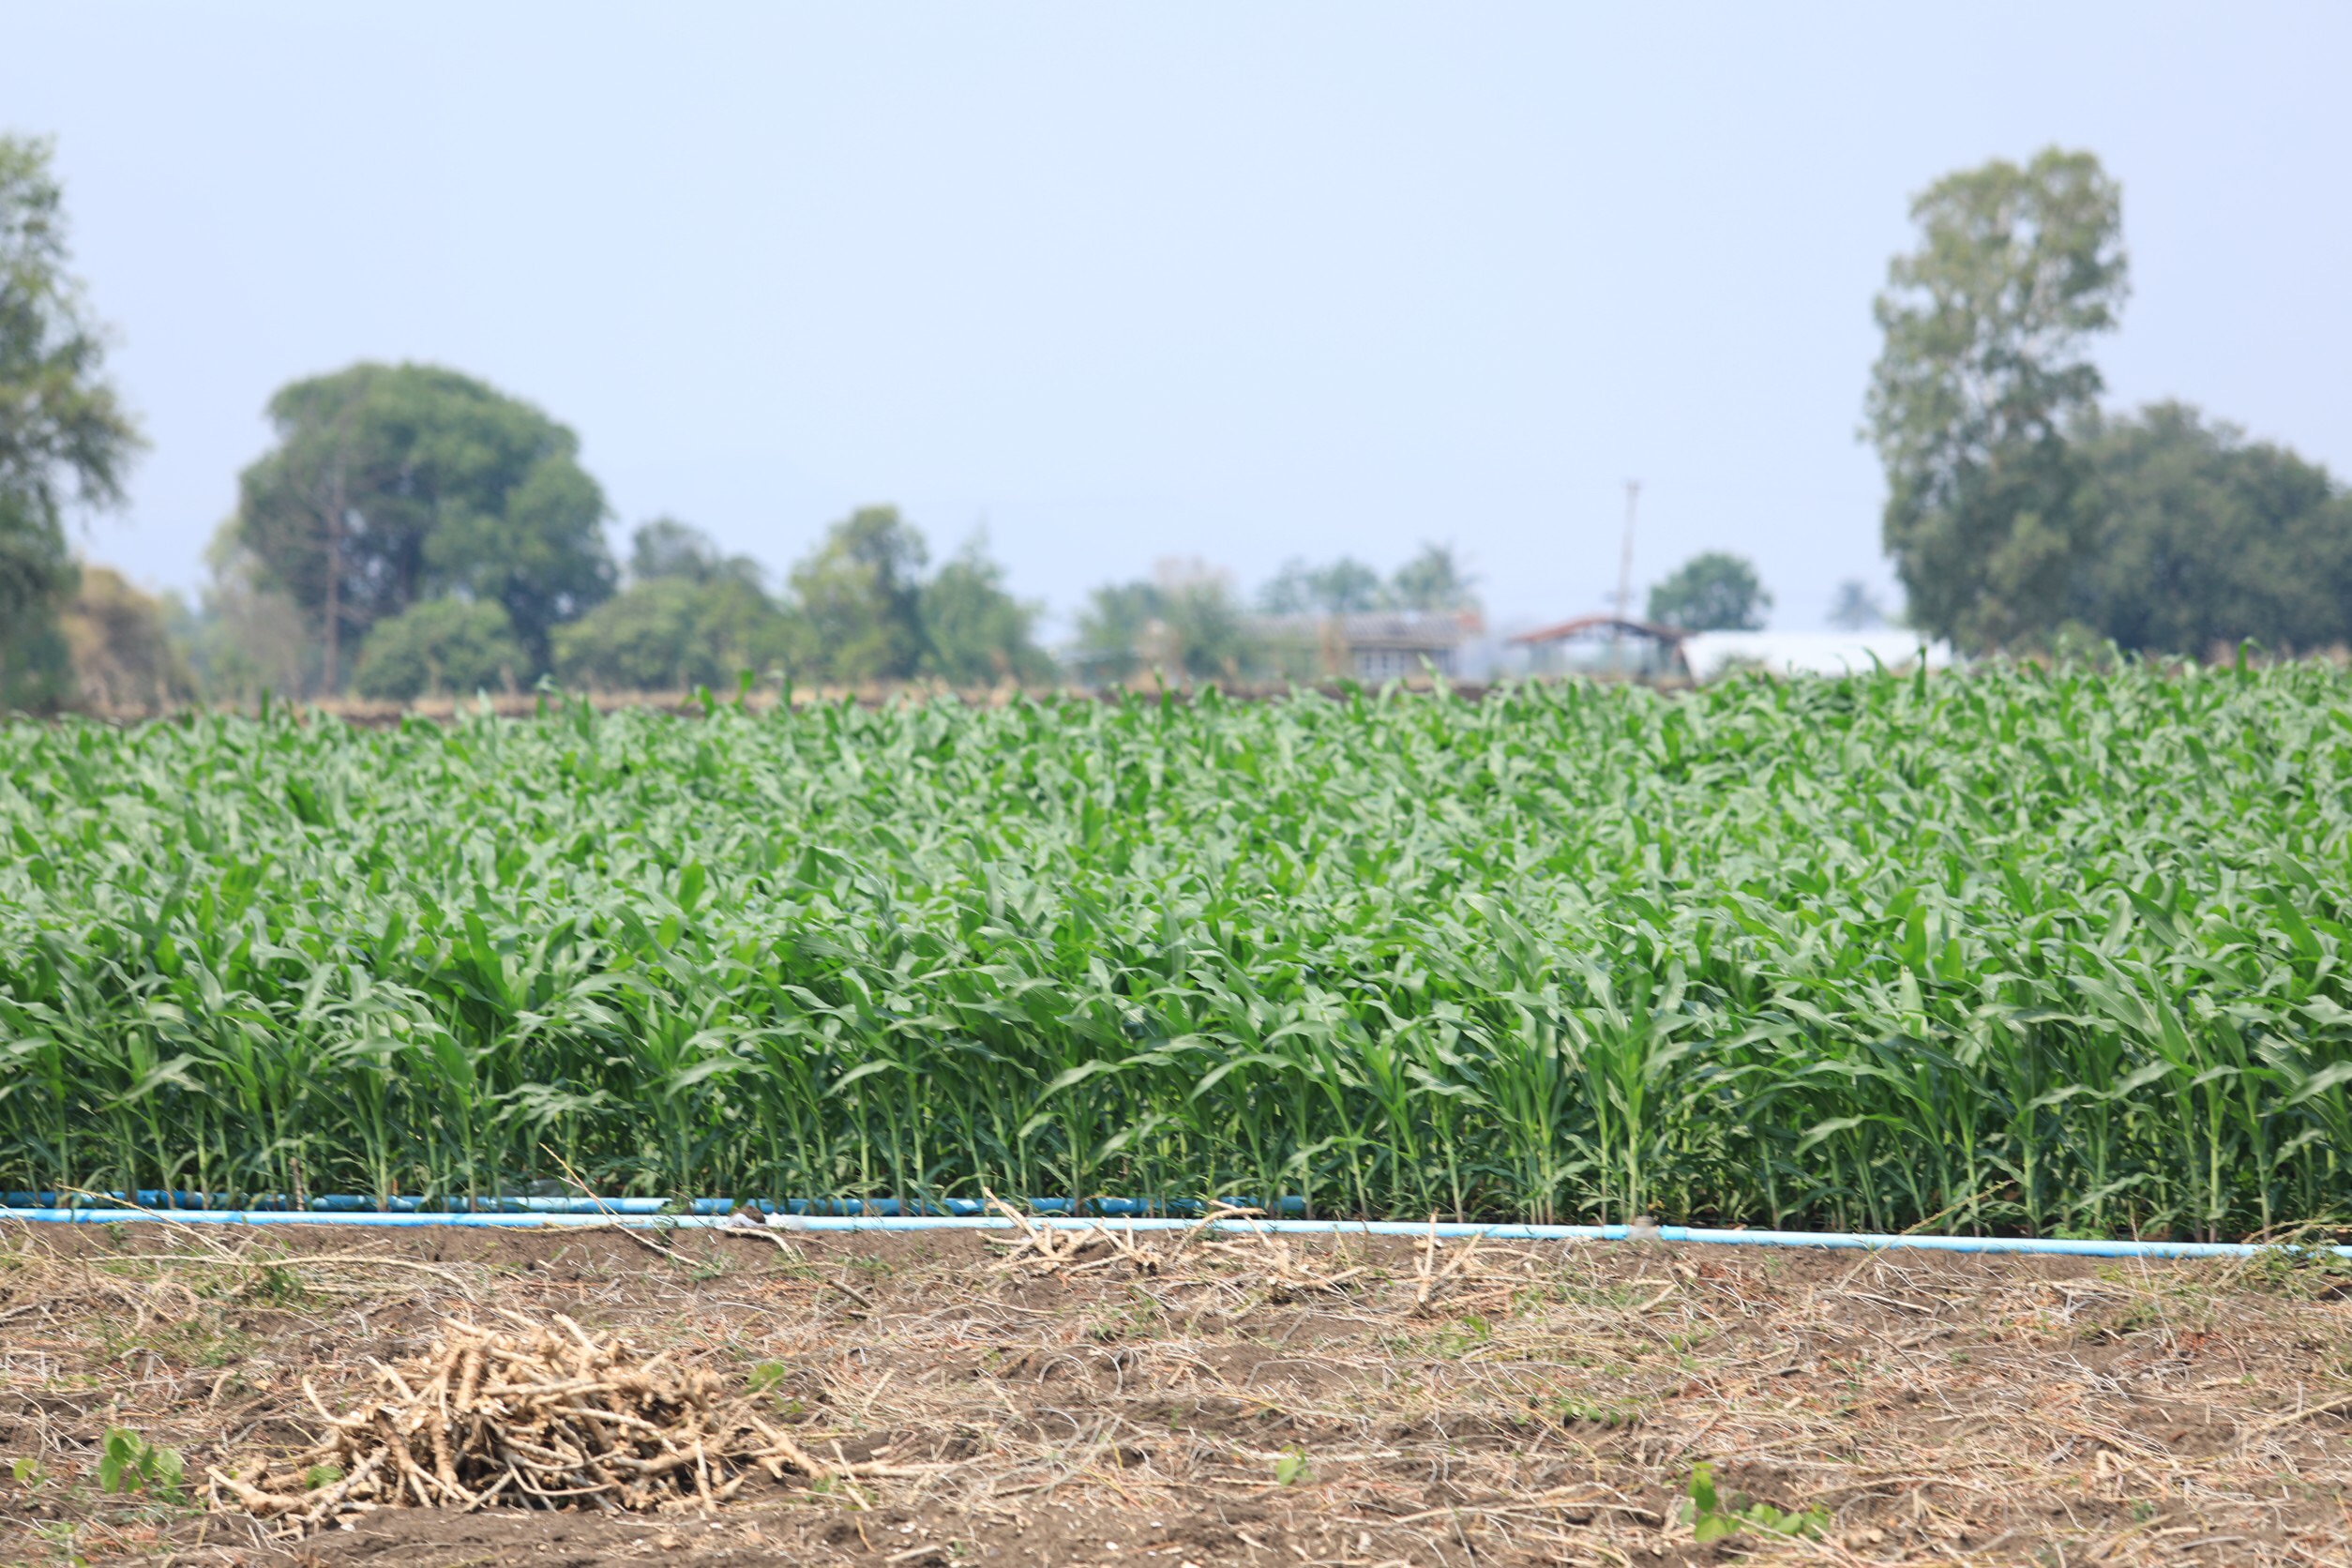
[(1126, 281)]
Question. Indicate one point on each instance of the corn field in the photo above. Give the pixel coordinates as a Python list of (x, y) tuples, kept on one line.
[(2059, 953)]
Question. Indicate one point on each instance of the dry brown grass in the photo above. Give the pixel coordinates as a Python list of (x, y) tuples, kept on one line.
[(1206, 1398)]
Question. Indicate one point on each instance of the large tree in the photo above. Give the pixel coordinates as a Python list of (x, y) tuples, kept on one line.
[(1183, 621), (391, 484), (1986, 325), (666, 548), (690, 616), (977, 633), (1344, 587), (2200, 539), (124, 659), (1714, 591), (860, 596), (440, 645), (65, 437), (1433, 581)]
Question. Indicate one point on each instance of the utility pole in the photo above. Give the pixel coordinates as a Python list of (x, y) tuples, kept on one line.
[(1624, 577)]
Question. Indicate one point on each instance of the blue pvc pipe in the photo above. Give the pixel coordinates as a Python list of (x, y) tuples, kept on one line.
[(177, 1201), (706, 1220)]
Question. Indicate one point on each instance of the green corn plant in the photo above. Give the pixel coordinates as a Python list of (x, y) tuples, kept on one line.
[(2002, 951)]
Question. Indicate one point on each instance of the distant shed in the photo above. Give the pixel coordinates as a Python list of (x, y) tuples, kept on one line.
[(1369, 645), (1608, 642)]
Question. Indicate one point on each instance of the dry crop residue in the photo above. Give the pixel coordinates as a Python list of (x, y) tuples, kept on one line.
[(1215, 1400)]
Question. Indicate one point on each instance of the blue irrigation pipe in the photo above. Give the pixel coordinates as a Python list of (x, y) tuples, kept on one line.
[(1856, 1241), (178, 1202)]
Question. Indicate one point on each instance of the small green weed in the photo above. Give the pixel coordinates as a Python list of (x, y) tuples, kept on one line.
[(1710, 1520), (2300, 1270), (1466, 1335), (129, 1463), (1290, 1469), (1613, 1414), (768, 1378), (203, 1338)]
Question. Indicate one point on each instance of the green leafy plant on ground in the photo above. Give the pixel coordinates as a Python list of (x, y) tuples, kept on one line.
[(1711, 1519), (129, 1463), (1611, 1413)]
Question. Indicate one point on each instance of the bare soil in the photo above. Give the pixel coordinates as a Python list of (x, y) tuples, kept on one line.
[(1244, 1402)]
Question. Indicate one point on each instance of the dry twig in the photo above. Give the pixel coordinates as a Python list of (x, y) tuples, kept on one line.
[(543, 1415)]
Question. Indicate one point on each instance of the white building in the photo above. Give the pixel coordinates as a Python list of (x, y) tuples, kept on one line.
[(1709, 653)]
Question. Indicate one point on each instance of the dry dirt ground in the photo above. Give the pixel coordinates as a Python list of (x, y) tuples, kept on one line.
[(1232, 1402)]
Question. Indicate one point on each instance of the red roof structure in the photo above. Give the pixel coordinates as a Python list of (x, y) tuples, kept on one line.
[(1591, 626)]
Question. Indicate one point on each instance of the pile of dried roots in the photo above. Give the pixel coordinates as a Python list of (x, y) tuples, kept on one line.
[(539, 1416)]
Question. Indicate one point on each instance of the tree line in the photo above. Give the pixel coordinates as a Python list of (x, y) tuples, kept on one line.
[(429, 535), (433, 534), (1189, 618), (2020, 514), (414, 530)]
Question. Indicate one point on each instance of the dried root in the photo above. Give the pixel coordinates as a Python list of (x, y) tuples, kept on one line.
[(1268, 1261), (543, 1416), (1043, 1249), (1284, 1272), (1430, 1279)]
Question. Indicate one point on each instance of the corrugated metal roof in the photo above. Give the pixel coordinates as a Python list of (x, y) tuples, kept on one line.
[(1585, 625)]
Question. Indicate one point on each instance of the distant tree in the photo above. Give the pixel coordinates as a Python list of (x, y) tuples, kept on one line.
[(1433, 581), (1112, 628), (1984, 364), (859, 595), (673, 634), (449, 645), (1712, 592), (391, 484), (1856, 607), (1184, 622), (860, 609), (690, 616), (244, 637), (975, 633), (2199, 538), (667, 548), (1289, 592), (124, 657), (1344, 587), (65, 437)]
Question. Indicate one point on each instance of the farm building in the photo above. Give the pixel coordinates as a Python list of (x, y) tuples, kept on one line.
[(1604, 644), (1369, 646)]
